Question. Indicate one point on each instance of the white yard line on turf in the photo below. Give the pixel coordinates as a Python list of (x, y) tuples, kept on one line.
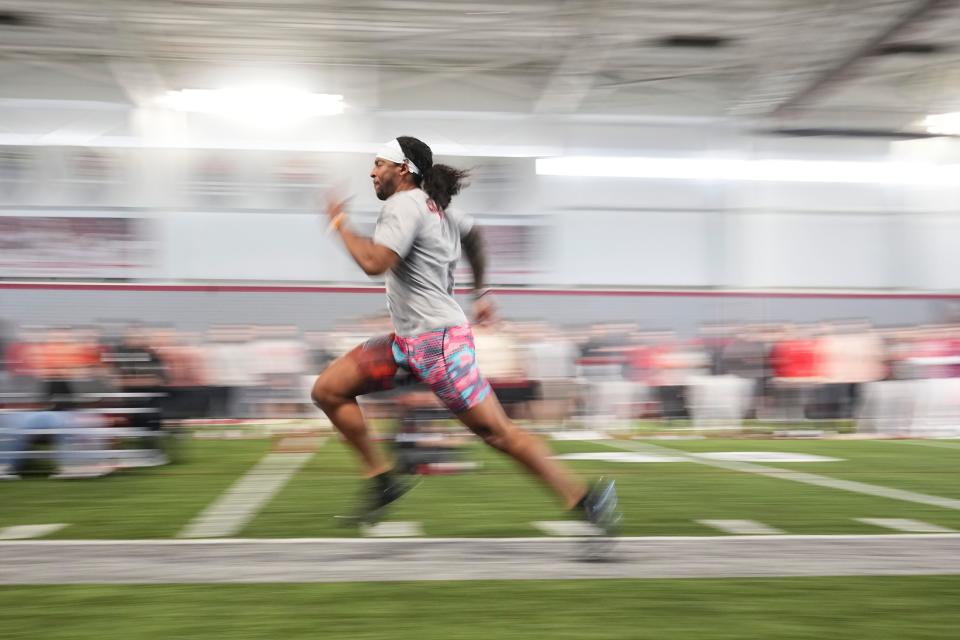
[(393, 529), (568, 528), (906, 524), (795, 476), (940, 444), (418, 559), (160, 542), (241, 502), (25, 531), (742, 527)]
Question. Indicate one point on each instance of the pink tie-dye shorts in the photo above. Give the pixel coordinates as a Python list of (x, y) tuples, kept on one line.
[(444, 359)]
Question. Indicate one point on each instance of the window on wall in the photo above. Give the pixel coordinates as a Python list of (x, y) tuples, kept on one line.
[(514, 253), (73, 247), (295, 181), (16, 164), (92, 175), (214, 180)]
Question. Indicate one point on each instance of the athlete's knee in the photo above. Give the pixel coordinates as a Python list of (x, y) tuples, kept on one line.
[(503, 437), (324, 393)]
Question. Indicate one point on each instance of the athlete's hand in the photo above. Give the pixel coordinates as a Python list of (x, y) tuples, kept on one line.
[(335, 204), (485, 310)]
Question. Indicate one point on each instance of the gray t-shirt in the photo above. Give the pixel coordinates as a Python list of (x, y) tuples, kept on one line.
[(420, 286)]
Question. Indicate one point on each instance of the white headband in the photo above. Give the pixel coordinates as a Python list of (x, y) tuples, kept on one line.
[(392, 152)]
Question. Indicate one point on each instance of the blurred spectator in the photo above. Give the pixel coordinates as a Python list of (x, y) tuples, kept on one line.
[(796, 367), (135, 362), (280, 358), (746, 356), (616, 372), (140, 374), (499, 354), (232, 371), (850, 354), (551, 359), (668, 379), (185, 368)]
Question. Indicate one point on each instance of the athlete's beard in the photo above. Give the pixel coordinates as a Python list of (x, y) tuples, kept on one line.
[(385, 190)]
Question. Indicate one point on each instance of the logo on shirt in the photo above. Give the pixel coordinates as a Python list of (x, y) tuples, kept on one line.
[(432, 206)]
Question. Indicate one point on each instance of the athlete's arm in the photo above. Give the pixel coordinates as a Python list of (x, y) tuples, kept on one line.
[(483, 308), (373, 258), (472, 243)]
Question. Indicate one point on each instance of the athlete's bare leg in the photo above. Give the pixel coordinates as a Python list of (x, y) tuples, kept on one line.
[(489, 421), (335, 392)]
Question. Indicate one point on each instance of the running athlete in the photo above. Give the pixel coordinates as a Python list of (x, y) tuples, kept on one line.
[(417, 242)]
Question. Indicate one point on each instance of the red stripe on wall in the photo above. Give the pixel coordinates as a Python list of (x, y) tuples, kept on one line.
[(523, 291)]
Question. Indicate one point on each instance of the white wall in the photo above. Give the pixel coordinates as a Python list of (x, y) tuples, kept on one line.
[(624, 248), (250, 246), (599, 231), (938, 265), (819, 250)]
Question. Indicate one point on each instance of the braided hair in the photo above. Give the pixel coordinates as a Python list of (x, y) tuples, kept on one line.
[(441, 182)]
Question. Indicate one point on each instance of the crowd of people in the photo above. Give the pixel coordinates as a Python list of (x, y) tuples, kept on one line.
[(779, 371), (242, 371), (605, 375)]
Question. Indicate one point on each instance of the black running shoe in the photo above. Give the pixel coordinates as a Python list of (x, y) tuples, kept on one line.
[(381, 492), (599, 506)]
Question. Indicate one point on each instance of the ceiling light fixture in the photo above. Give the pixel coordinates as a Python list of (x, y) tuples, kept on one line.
[(945, 124), (259, 104), (751, 170)]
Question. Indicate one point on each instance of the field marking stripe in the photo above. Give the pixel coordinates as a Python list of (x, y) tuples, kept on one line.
[(241, 502), (406, 559), (741, 527), (567, 528), (429, 540), (906, 524), (393, 529), (26, 531), (797, 476), (928, 443)]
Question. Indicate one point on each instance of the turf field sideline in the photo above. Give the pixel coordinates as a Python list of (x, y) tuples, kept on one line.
[(916, 607), (351, 560), (659, 498)]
